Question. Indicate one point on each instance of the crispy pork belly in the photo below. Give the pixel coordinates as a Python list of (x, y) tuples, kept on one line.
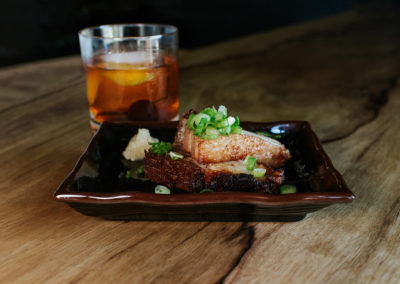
[(218, 163), (231, 148), (189, 175)]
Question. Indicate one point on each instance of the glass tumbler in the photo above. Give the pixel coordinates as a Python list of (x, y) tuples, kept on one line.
[(131, 72)]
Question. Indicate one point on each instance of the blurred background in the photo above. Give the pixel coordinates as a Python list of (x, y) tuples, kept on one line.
[(38, 29)]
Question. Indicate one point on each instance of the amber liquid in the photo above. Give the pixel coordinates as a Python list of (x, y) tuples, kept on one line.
[(132, 87)]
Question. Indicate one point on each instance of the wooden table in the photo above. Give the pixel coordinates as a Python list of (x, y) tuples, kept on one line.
[(340, 73)]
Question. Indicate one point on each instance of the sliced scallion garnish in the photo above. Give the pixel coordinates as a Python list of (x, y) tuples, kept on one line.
[(206, 190), (222, 123), (198, 117), (140, 171), (211, 131), (218, 116), (225, 130), (250, 162), (200, 127), (287, 189), (218, 122), (231, 120), (175, 156), (270, 135), (222, 109), (236, 129), (237, 121), (210, 111), (259, 172), (161, 189), (161, 148), (191, 120)]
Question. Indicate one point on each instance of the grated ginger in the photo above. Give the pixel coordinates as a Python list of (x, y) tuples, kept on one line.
[(138, 144)]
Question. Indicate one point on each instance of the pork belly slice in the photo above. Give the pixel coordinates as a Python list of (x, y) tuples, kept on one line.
[(231, 148), (189, 175)]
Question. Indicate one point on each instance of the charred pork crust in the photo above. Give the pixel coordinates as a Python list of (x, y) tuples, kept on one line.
[(182, 173), (188, 175)]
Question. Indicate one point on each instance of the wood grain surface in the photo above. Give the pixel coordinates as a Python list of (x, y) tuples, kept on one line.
[(340, 73)]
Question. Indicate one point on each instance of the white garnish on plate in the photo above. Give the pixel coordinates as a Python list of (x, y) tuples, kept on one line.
[(138, 144)]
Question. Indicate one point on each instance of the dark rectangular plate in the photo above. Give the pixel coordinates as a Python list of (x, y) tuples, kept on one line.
[(97, 186)]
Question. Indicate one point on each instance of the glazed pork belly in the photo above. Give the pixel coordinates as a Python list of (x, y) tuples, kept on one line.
[(218, 164), (231, 148)]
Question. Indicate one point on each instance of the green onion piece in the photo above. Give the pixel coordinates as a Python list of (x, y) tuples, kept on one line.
[(250, 162), (222, 109), (222, 123), (270, 135), (225, 130), (222, 131), (219, 116), (198, 117), (191, 121), (206, 190), (175, 156), (259, 172), (209, 136), (237, 121), (209, 111), (161, 148), (200, 127), (236, 129), (161, 189), (211, 131), (128, 174), (231, 120), (287, 189), (140, 171)]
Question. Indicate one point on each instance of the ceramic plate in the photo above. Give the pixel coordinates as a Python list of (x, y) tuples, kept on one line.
[(98, 185)]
